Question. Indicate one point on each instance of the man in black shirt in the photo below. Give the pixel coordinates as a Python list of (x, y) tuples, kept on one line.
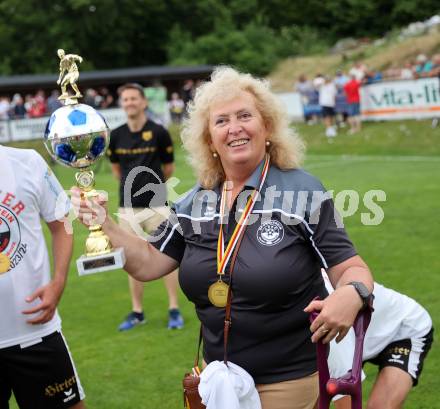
[(141, 153)]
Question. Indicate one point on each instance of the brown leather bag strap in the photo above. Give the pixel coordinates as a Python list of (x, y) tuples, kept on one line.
[(228, 321), (196, 362)]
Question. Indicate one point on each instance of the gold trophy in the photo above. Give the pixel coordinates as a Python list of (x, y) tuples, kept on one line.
[(76, 136)]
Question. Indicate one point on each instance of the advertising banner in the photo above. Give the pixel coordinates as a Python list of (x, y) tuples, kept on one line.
[(26, 129), (411, 99)]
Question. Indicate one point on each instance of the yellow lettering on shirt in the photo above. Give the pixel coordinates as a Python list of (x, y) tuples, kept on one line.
[(136, 151)]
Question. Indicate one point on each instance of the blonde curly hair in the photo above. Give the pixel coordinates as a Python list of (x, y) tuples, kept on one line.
[(286, 149)]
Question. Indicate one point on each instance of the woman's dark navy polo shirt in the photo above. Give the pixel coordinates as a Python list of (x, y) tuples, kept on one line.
[(293, 232)]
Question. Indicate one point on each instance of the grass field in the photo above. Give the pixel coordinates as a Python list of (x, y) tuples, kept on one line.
[(142, 369)]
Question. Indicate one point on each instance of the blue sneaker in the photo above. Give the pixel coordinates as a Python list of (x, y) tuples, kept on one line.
[(133, 319), (175, 319)]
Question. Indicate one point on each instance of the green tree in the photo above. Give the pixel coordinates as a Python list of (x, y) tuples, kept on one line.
[(252, 34), (255, 48), (107, 33)]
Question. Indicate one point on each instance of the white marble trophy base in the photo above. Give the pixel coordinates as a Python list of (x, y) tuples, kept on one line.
[(104, 262)]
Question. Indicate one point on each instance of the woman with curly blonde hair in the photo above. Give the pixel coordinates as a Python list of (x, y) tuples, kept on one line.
[(286, 148), (253, 201)]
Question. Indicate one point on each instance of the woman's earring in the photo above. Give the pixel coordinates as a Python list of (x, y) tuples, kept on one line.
[(267, 143), (215, 155)]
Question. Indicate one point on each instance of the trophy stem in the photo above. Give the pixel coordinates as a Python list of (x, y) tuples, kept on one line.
[(97, 242)]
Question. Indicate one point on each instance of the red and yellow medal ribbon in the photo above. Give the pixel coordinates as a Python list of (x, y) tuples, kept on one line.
[(223, 255)]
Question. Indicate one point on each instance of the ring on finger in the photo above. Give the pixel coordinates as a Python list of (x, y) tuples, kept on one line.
[(324, 330)]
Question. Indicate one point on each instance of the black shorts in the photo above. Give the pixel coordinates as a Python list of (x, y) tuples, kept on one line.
[(41, 376), (328, 111), (406, 354)]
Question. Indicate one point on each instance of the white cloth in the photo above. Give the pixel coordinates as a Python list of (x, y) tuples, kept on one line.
[(28, 191), (228, 387)]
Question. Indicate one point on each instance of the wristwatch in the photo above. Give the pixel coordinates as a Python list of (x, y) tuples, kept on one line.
[(366, 297)]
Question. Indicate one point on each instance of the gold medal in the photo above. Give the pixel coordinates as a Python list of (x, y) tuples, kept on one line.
[(5, 263), (218, 294)]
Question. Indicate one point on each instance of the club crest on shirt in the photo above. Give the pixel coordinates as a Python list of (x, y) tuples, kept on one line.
[(10, 236), (147, 135), (270, 232)]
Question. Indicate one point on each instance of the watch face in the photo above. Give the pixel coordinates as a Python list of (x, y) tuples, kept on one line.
[(362, 290)]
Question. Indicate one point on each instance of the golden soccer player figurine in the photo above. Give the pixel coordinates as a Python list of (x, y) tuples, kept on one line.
[(68, 75)]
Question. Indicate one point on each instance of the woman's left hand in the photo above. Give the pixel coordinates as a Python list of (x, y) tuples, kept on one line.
[(336, 314)]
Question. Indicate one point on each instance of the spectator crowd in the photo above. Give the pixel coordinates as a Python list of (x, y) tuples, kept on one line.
[(39, 104), (336, 100)]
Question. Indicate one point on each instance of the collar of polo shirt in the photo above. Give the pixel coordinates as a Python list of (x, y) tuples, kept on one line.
[(254, 180)]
